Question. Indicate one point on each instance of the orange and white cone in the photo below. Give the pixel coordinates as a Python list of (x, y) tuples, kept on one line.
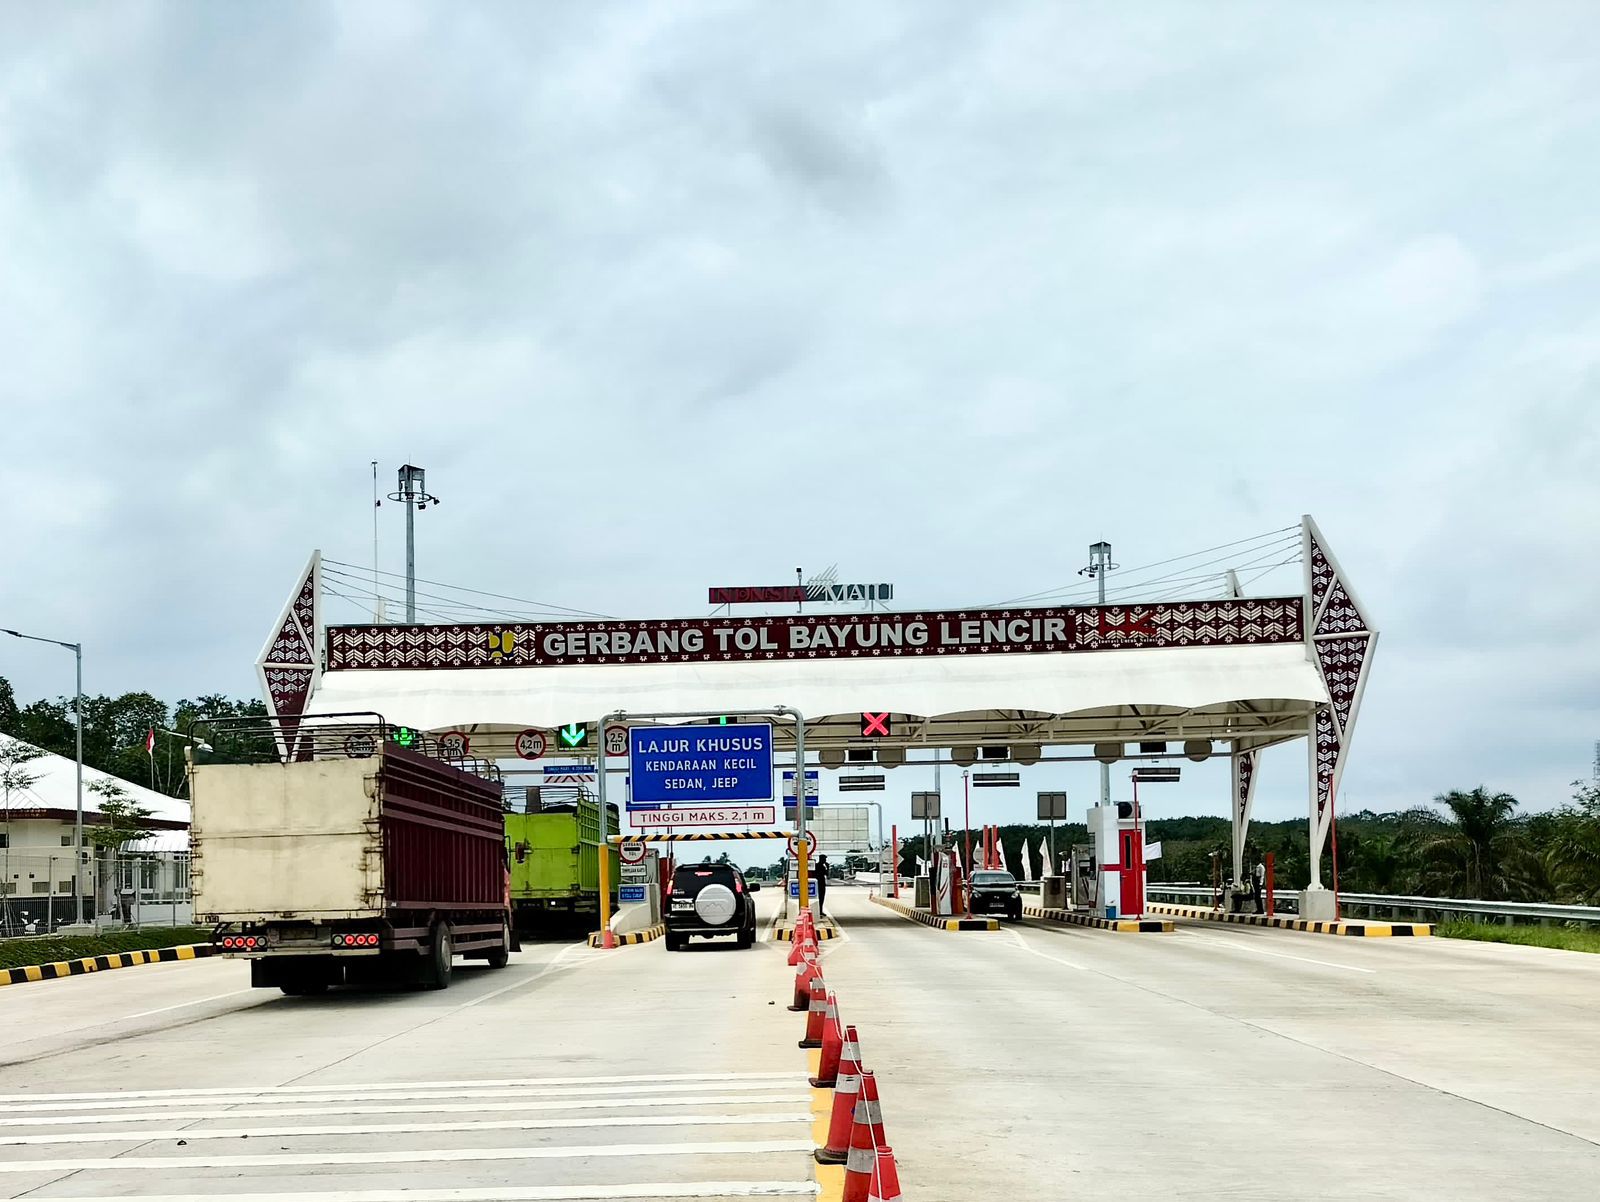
[(845, 1093), (832, 1045), (816, 1013), (797, 949), (802, 984), (866, 1134), (885, 1177)]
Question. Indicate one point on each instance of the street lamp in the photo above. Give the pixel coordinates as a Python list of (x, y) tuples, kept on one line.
[(77, 714)]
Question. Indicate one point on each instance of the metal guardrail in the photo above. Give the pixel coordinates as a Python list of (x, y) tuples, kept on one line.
[(1397, 903)]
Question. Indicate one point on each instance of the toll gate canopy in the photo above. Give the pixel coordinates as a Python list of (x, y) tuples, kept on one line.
[(1230, 676)]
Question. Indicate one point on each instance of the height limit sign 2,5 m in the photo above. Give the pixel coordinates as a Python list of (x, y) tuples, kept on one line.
[(699, 765)]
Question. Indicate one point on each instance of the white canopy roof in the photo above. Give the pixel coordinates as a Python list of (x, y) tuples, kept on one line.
[(56, 789), (1212, 692)]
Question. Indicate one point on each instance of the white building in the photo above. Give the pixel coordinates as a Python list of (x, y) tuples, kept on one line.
[(36, 851)]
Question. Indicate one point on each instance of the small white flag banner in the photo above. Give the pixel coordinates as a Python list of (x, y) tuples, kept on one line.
[(1048, 868), (1000, 847), (1027, 861), (1152, 852)]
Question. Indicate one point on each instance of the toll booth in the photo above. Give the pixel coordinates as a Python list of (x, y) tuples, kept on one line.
[(1118, 848), (1084, 880)]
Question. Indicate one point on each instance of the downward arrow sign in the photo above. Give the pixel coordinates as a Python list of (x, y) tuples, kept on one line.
[(572, 734)]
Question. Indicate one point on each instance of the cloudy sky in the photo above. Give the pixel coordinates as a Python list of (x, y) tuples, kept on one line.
[(669, 295)]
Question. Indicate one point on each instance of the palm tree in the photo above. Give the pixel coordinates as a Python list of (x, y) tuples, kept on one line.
[(1576, 845), (1470, 857)]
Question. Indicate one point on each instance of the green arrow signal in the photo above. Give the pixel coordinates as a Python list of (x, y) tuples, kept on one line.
[(574, 734)]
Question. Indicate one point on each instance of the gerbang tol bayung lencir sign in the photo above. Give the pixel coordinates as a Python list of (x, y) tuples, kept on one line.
[(1226, 622)]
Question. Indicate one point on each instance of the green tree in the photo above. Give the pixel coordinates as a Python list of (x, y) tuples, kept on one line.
[(122, 820), (8, 705), (15, 777), (1575, 844), (1471, 856)]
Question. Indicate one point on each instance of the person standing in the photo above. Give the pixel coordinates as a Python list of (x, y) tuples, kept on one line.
[(822, 883), (1259, 875)]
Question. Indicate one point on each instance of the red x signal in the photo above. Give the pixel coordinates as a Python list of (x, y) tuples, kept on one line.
[(874, 724)]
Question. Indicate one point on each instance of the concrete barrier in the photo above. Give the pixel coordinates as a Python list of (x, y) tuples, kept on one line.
[(644, 936), (1369, 930), (1144, 926), (88, 964), (938, 921)]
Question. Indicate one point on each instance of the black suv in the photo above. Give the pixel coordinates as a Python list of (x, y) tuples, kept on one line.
[(710, 899), (995, 893)]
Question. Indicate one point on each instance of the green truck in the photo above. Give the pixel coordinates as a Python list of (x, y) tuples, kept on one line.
[(555, 868)]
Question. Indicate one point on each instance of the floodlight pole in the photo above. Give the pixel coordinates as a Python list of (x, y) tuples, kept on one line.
[(1099, 564), (77, 716), (412, 492)]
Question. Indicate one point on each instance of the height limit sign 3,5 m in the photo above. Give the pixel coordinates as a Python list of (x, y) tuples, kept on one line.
[(699, 765)]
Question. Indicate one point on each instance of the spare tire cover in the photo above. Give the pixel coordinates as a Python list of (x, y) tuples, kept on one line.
[(715, 904)]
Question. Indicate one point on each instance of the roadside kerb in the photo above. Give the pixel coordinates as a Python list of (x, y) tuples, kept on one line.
[(1369, 930), (785, 934), (88, 964), (937, 922), (644, 936), (1144, 926)]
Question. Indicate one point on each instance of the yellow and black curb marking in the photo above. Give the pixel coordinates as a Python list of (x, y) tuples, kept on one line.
[(700, 836), (1135, 925), (936, 921), (1369, 930), (77, 968), (644, 936), (786, 934)]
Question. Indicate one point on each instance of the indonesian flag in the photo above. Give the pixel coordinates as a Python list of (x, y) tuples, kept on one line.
[(150, 742)]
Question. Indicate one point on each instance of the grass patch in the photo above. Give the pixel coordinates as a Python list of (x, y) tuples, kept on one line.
[(19, 953), (1568, 939)]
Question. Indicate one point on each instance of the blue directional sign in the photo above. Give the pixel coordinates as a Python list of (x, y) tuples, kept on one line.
[(700, 765), (630, 893), (813, 785)]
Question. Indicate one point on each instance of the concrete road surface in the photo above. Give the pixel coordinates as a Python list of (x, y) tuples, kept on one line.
[(1034, 1062), (570, 1074), (1222, 1062)]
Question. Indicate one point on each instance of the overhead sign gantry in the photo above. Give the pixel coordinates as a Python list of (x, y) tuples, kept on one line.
[(1230, 676)]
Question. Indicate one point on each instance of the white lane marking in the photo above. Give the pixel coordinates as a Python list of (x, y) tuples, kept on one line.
[(528, 1124), (1033, 951), (525, 1193), (179, 1164), (1261, 951), (126, 1018), (367, 1088), (189, 1116)]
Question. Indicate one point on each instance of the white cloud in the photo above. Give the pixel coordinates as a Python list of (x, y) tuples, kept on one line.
[(665, 293)]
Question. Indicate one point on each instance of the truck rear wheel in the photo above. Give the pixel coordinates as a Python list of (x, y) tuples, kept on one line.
[(501, 956), (441, 959)]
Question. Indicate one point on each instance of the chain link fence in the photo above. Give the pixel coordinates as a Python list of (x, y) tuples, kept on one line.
[(129, 889)]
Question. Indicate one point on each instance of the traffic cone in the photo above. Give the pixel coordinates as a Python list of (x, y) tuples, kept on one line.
[(845, 1092), (797, 948), (802, 984), (885, 1177), (866, 1133), (832, 1045), (816, 1013)]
